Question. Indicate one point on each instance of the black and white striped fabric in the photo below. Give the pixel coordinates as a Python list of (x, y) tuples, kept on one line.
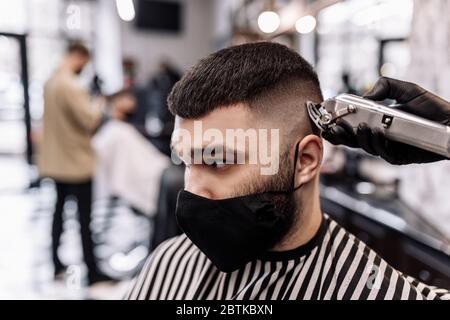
[(332, 265)]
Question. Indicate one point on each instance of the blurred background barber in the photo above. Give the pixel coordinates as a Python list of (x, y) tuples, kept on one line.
[(66, 156)]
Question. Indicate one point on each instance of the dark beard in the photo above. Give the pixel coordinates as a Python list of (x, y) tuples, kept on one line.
[(285, 205)]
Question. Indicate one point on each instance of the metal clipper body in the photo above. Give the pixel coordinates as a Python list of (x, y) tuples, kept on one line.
[(395, 124)]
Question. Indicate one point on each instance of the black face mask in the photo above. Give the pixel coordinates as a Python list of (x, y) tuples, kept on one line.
[(233, 231)]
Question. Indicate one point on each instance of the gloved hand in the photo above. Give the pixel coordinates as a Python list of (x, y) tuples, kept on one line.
[(415, 100)]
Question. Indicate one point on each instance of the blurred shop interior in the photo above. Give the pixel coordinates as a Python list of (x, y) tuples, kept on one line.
[(144, 46)]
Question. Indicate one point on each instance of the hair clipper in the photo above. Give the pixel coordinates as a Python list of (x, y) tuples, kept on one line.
[(395, 124)]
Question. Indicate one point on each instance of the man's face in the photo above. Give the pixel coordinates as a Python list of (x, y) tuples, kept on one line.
[(123, 106), (236, 154), (216, 177), (80, 61), (126, 103), (292, 163)]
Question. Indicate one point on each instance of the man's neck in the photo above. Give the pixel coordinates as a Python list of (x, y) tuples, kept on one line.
[(306, 225)]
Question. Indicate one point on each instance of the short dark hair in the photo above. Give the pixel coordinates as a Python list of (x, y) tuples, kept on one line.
[(242, 73), (78, 47)]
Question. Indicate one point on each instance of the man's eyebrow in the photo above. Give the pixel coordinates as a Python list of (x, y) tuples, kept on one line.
[(219, 151), (224, 152)]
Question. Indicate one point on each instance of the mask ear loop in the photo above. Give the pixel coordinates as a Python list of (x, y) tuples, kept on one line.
[(295, 166)]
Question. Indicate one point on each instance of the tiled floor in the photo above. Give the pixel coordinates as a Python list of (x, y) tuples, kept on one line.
[(25, 221)]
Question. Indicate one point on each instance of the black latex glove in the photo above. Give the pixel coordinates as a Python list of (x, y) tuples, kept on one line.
[(415, 100)]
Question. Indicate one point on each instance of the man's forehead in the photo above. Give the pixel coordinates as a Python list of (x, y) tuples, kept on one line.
[(222, 118), (233, 127)]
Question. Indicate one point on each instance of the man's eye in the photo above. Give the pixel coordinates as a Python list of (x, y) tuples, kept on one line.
[(217, 164), (220, 165)]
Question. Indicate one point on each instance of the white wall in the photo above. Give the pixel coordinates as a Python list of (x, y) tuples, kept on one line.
[(184, 49), (107, 53), (426, 187)]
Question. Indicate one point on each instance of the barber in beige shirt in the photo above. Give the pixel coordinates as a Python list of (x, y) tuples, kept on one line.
[(65, 153)]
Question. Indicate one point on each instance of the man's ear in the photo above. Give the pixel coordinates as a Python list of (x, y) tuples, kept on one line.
[(309, 159)]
